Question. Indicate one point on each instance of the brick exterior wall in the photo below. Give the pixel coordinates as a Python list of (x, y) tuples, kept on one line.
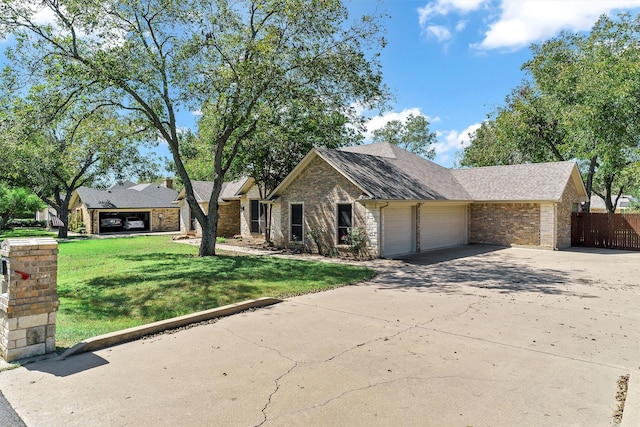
[(548, 222), (564, 209), (505, 223), (229, 220), (319, 187), (245, 211), (170, 219), (28, 305)]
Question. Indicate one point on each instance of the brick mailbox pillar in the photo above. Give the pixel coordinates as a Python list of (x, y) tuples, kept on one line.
[(28, 297)]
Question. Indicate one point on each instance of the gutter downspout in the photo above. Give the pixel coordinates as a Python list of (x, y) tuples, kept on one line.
[(380, 232)]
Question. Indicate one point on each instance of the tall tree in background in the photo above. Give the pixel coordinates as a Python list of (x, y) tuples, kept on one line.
[(286, 136), (413, 135), (57, 141), (232, 60), (524, 130), (586, 94)]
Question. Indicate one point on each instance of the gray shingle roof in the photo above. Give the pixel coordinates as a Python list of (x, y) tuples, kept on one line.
[(139, 196), (203, 190), (535, 181), (387, 172)]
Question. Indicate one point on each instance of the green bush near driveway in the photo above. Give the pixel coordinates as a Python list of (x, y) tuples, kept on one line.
[(106, 285)]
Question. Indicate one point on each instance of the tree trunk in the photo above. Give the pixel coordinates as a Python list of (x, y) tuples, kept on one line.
[(63, 215), (4, 219), (208, 241), (589, 183)]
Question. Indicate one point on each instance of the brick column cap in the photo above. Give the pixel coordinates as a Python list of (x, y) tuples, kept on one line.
[(40, 242)]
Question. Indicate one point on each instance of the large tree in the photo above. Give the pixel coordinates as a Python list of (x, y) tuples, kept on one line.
[(228, 59), (523, 130), (583, 102), (286, 136), (58, 140), (413, 135)]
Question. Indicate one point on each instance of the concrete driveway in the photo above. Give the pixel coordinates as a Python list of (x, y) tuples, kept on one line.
[(473, 336)]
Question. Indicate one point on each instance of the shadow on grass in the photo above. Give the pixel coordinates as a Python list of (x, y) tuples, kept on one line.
[(163, 285)]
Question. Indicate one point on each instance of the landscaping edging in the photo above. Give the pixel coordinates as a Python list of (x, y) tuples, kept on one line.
[(125, 335)]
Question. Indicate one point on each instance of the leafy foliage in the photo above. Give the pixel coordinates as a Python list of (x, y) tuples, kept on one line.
[(237, 62), (583, 102), (412, 135), (16, 201)]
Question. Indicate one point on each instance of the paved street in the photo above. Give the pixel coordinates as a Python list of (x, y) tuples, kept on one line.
[(472, 336)]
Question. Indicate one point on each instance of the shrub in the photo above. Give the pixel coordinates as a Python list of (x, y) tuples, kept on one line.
[(356, 238), (31, 223)]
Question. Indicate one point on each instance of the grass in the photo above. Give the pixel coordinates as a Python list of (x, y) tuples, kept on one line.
[(106, 285), (26, 232)]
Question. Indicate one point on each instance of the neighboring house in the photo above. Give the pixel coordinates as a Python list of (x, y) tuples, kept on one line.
[(597, 204), (407, 204), (104, 211), (50, 216), (228, 208)]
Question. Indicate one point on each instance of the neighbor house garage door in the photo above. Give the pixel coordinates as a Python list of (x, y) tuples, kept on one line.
[(442, 226), (399, 235)]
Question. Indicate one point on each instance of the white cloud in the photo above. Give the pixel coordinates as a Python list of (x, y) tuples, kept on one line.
[(444, 7), (523, 22), (513, 24), (44, 16), (378, 122), (450, 142), (439, 32), (453, 140)]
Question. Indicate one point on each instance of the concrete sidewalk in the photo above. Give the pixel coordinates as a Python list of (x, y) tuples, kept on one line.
[(473, 336)]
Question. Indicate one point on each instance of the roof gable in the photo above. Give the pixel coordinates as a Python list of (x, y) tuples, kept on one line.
[(386, 172), (202, 190)]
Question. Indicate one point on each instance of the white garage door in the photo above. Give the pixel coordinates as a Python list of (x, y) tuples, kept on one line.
[(398, 231), (442, 226)]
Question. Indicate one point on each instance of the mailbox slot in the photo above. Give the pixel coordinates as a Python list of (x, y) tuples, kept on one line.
[(4, 279)]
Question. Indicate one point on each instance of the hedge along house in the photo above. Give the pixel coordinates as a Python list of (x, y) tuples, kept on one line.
[(228, 208), (151, 203), (406, 204)]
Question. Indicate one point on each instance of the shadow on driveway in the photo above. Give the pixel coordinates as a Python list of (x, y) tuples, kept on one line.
[(478, 266)]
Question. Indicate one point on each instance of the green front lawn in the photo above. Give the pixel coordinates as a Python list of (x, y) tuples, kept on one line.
[(26, 232), (106, 285)]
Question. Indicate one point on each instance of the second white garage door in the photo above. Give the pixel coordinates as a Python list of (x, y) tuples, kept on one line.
[(399, 234), (442, 226)]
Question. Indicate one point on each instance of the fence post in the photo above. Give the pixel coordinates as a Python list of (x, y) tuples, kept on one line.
[(28, 298)]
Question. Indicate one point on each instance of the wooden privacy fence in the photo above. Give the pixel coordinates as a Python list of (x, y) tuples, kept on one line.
[(605, 230)]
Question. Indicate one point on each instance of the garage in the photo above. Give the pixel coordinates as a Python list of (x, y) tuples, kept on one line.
[(130, 222), (399, 230), (442, 226)]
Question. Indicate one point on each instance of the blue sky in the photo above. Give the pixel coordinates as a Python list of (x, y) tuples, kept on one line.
[(455, 60)]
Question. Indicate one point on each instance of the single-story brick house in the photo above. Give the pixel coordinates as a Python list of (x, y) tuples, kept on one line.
[(102, 210), (406, 204), (228, 208)]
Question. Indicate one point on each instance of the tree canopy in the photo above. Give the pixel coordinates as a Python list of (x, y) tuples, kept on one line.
[(413, 135), (57, 141), (236, 62), (582, 102)]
